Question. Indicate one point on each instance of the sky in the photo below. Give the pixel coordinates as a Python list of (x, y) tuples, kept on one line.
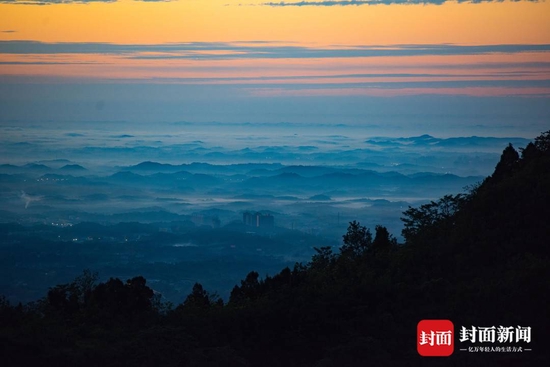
[(479, 67)]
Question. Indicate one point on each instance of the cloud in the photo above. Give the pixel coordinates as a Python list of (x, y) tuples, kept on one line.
[(379, 2), (332, 78), (28, 199), (236, 50), (52, 2), (277, 4), (46, 63), (9, 31)]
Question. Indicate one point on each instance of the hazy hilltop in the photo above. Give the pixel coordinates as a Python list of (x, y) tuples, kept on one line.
[(479, 258), (169, 147)]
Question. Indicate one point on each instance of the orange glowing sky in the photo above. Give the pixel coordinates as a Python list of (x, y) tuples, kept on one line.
[(128, 21)]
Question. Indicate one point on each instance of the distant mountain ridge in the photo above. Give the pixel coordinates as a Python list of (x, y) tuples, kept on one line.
[(464, 142)]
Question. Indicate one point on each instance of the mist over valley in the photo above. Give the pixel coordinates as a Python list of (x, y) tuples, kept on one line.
[(170, 201)]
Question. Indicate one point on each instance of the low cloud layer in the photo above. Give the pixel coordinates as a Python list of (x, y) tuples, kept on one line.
[(228, 51)]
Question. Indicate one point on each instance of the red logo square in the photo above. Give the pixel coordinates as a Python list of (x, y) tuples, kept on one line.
[(435, 338)]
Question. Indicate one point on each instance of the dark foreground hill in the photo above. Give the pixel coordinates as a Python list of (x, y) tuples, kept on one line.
[(479, 259)]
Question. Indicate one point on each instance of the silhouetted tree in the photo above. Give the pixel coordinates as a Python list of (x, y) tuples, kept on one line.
[(383, 240), (323, 258), (198, 299), (542, 142), (507, 163), (422, 221), (356, 241), (141, 296), (70, 298)]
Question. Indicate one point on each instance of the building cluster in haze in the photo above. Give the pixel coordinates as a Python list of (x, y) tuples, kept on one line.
[(258, 219)]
